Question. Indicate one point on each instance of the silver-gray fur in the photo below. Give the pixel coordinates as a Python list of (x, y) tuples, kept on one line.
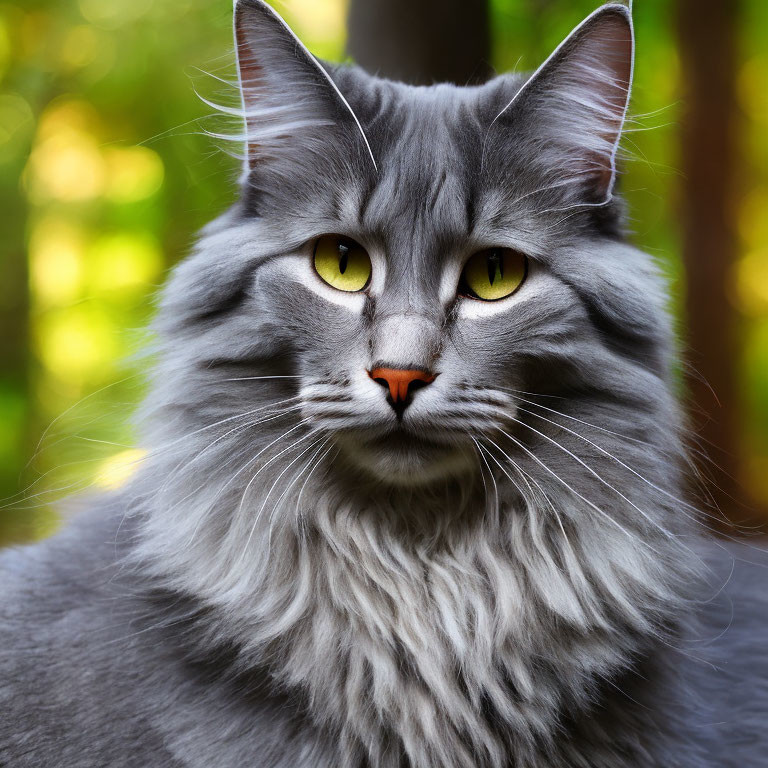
[(505, 574)]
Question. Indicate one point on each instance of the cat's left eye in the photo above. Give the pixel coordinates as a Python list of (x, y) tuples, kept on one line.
[(493, 274), (342, 263)]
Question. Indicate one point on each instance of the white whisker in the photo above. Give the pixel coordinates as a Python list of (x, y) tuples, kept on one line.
[(493, 479), (262, 378), (591, 504), (257, 516), (272, 459), (238, 428), (589, 469), (544, 494), (245, 466), (323, 442), (614, 458)]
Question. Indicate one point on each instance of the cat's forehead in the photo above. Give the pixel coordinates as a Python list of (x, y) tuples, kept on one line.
[(428, 143), (423, 123), (377, 101)]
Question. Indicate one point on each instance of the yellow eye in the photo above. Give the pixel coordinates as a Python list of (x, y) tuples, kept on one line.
[(342, 263), (493, 274)]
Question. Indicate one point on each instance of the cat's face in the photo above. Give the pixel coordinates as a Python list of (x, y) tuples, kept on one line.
[(406, 368), (416, 260)]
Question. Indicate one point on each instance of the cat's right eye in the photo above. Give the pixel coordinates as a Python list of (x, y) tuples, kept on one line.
[(342, 263), (493, 274)]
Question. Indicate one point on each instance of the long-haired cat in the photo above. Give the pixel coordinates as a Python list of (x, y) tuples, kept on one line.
[(412, 491)]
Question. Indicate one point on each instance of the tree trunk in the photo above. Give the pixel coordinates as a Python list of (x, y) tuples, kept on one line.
[(710, 161), (15, 525), (421, 41)]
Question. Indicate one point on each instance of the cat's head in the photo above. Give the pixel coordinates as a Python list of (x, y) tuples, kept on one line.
[(409, 264)]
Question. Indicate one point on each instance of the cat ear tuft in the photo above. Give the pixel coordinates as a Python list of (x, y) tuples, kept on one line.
[(290, 103), (575, 104)]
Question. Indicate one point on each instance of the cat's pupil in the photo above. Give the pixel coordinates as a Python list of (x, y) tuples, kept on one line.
[(343, 257), (495, 267)]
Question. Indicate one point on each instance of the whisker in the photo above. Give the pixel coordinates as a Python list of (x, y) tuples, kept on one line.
[(257, 516), (261, 378), (238, 428), (580, 421), (306, 480), (577, 494), (182, 438), (70, 409), (323, 441), (598, 477), (274, 458), (493, 479), (692, 466), (503, 469), (241, 470), (618, 461), (541, 490)]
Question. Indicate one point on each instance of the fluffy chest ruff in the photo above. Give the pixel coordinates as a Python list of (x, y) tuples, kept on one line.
[(439, 637)]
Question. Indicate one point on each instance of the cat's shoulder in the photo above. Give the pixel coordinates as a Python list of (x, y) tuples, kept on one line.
[(64, 672), (726, 650), (731, 608), (45, 581), (735, 575), (93, 673)]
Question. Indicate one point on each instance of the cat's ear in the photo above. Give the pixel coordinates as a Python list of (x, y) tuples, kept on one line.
[(290, 103), (573, 107)]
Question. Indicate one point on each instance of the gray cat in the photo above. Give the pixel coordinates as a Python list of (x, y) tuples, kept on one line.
[(412, 494)]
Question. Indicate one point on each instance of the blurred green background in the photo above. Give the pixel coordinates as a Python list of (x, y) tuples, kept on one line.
[(106, 173)]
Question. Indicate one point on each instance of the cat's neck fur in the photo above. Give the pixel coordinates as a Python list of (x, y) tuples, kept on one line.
[(423, 630)]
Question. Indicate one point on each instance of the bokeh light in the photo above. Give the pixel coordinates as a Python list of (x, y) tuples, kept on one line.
[(56, 261), (132, 173), (118, 469)]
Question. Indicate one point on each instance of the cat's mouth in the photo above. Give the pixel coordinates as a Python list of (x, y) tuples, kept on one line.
[(400, 456), (404, 440)]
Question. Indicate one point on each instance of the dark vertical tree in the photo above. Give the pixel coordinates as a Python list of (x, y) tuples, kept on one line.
[(14, 351), (707, 32), (421, 41)]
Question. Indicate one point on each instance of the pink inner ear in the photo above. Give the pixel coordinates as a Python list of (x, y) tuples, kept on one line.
[(608, 53), (588, 95), (251, 79), (249, 67), (290, 100)]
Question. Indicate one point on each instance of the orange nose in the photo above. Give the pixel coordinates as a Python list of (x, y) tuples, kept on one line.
[(400, 381)]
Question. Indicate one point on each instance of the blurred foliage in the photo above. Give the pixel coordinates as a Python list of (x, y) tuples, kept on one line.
[(106, 173)]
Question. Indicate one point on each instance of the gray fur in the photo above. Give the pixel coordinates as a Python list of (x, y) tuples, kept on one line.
[(292, 581)]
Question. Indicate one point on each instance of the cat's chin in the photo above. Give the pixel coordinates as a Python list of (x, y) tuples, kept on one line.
[(402, 458)]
